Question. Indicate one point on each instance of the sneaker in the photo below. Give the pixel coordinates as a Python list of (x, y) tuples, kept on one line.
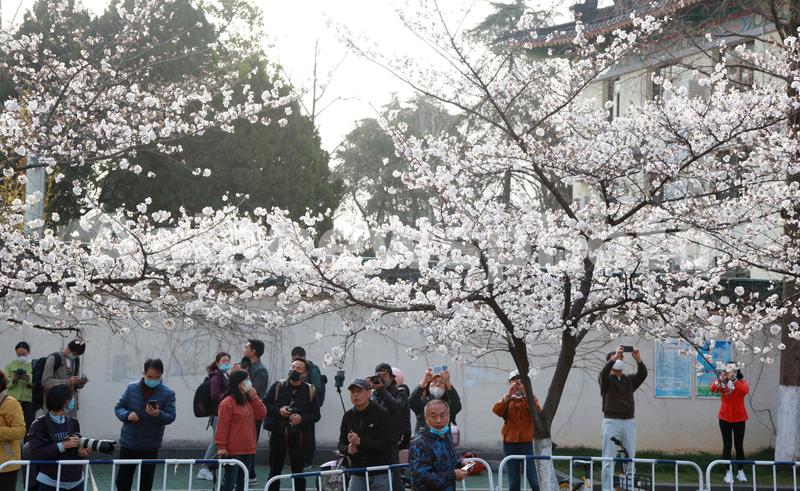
[(253, 481), (728, 477), (741, 476), (205, 474)]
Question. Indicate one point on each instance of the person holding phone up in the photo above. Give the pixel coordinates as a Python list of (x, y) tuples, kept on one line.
[(145, 408), (617, 390), (435, 386)]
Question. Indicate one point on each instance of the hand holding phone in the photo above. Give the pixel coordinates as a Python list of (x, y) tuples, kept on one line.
[(627, 349)]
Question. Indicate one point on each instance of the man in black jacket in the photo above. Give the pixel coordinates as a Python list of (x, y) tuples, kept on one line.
[(364, 438), (292, 410), (394, 398)]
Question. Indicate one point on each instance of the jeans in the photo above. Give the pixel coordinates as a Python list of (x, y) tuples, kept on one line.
[(625, 431), (211, 451), (515, 466), (736, 430), (126, 473), (279, 447), (377, 482), (233, 477)]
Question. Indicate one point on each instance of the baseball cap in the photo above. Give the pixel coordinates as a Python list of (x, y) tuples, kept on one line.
[(359, 383), (384, 367), (513, 375)]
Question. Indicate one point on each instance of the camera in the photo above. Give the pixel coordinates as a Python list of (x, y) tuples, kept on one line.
[(375, 380), (95, 445), (292, 428), (339, 379), (20, 372), (81, 383)]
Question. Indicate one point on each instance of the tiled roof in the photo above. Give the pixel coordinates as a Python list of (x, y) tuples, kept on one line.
[(601, 21)]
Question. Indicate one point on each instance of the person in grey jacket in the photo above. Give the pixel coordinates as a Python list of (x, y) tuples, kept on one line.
[(64, 369), (259, 377)]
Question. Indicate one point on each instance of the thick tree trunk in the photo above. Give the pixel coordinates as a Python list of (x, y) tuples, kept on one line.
[(545, 470)]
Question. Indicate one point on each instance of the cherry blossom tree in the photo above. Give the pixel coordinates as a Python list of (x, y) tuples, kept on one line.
[(515, 275)]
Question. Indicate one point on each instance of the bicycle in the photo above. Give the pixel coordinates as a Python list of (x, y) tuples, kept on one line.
[(627, 482)]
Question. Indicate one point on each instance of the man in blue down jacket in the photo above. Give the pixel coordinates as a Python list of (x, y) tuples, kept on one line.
[(432, 457), (145, 408)]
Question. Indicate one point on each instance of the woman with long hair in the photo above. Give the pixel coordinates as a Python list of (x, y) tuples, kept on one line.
[(732, 388), (218, 373), (236, 429)]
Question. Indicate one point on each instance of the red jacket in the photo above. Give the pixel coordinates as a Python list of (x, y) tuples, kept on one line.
[(236, 429), (732, 408)]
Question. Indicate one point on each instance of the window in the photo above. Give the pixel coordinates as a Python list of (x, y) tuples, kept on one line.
[(612, 97), (662, 73), (740, 71)]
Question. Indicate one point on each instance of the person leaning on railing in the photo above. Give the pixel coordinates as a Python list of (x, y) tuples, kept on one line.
[(12, 431)]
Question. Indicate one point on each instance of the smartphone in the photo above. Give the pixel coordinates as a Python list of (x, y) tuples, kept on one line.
[(468, 467), (153, 403), (627, 349), (438, 369)]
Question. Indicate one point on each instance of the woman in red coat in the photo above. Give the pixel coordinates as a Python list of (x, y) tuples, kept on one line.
[(732, 416)]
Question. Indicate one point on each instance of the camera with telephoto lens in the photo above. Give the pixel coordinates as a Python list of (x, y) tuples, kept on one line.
[(95, 445), (375, 380)]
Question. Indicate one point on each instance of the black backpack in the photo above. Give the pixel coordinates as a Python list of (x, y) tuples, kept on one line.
[(38, 372), (203, 407)]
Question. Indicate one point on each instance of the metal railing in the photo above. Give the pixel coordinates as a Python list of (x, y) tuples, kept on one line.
[(114, 463), (629, 482), (330, 476), (753, 464)]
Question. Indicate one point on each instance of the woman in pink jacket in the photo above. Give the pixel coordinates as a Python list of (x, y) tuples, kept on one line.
[(732, 386)]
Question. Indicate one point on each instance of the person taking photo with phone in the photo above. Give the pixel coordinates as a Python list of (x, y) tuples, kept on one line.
[(616, 389), (518, 430), (732, 388), (435, 386), (145, 408)]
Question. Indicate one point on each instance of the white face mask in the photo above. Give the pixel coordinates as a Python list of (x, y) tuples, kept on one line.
[(24, 359), (619, 365), (437, 392)]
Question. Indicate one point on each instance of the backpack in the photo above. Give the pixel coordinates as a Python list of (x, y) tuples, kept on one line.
[(314, 373), (38, 373), (269, 421), (202, 405)]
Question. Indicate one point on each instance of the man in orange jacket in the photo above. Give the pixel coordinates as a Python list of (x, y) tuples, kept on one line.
[(518, 431)]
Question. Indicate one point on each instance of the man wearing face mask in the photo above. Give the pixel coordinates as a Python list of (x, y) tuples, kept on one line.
[(145, 408), (617, 390), (292, 411), (65, 368)]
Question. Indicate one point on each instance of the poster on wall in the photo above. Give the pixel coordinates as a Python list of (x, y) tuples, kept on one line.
[(721, 352), (673, 369)]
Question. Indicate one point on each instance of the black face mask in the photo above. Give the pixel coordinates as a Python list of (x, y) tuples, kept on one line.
[(294, 376)]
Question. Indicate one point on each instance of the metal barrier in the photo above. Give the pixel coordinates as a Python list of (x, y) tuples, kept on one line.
[(572, 460), (753, 464), (138, 463), (343, 473)]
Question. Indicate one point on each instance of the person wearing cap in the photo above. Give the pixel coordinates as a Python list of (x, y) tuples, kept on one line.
[(19, 373), (433, 463), (364, 437), (518, 430), (617, 390), (64, 368), (394, 398)]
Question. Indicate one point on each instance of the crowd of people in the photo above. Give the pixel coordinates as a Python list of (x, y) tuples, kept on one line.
[(375, 431)]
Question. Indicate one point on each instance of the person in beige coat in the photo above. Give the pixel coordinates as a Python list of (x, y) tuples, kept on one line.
[(12, 431), (63, 368)]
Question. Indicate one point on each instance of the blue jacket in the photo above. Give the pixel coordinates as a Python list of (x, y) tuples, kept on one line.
[(432, 460), (148, 432)]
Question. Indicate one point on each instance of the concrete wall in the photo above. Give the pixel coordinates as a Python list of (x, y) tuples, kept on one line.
[(112, 360)]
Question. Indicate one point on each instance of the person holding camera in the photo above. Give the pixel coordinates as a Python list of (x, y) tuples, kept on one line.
[(433, 462), (394, 398), (732, 387), (617, 390), (65, 368), (292, 411), (145, 408), (12, 431), (19, 372), (364, 438), (435, 386), (57, 436), (518, 430), (239, 413)]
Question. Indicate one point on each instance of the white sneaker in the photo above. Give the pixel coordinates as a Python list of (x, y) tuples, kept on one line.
[(741, 476), (728, 477), (253, 481), (205, 474)]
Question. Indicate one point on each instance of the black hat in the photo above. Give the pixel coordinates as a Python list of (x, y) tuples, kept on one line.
[(384, 367), (359, 383)]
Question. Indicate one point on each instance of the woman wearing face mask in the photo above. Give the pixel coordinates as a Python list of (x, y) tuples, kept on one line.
[(732, 388), (218, 373), (434, 387), (55, 436), (236, 429), (20, 384)]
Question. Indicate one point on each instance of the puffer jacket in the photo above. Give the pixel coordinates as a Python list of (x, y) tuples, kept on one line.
[(432, 460), (12, 430)]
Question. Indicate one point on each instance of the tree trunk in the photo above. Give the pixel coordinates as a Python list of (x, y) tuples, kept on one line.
[(545, 470)]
